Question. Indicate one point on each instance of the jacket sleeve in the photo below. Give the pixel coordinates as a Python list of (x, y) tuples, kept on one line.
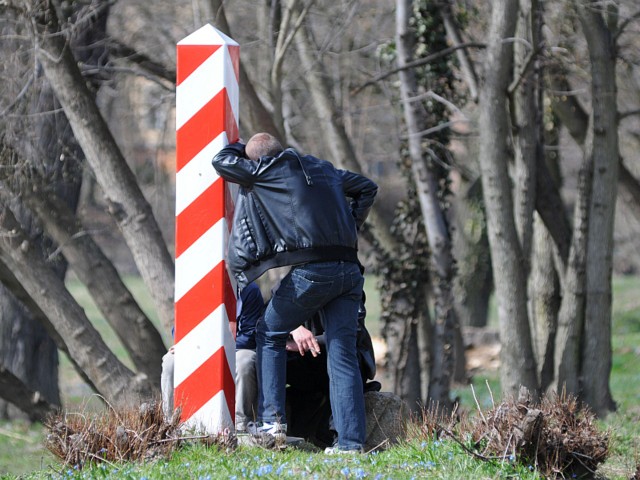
[(362, 192), (231, 164)]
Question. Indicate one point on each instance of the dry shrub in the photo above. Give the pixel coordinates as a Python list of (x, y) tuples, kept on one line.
[(557, 435), (434, 422), (127, 434)]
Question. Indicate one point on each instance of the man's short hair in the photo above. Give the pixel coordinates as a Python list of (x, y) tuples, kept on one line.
[(262, 144)]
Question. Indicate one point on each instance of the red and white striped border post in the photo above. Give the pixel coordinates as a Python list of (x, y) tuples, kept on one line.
[(206, 121)]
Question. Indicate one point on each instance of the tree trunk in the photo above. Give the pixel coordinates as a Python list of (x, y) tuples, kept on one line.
[(426, 181), (31, 402), (518, 363), (526, 125), (474, 279), (83, 343), (568, 340), (596, 353), (400, 330), (134, 329), (126, 202), (545, 302)]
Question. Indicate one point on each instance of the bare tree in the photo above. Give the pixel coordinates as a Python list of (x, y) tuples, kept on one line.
[(427, 179), (126, 202), (506, 254), (602, 147), (45, 293)]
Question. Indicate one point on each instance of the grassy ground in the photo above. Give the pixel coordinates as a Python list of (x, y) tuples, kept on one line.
[(21, 448)]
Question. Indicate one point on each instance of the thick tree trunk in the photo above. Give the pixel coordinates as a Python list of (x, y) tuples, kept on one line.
[(426, 180), (526, 125), (134, 329), (126, 202), (474, 280), (518, 363), (568, 340), (401, 333), (544, 288), (596, 353), (31, 402), (83, 343)]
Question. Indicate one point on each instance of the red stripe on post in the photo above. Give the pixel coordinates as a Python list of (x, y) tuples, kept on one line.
[(204, 127), (191, 57), (204, 383), (200, 216), (199, 302)]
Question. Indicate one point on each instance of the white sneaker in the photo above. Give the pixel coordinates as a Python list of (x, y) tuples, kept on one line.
[(276, 430), (340, 451)]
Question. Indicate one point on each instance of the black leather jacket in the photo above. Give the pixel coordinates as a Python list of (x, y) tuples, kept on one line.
[(291, 209)]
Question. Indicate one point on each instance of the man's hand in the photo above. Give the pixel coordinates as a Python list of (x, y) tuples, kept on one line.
[(303, 340)]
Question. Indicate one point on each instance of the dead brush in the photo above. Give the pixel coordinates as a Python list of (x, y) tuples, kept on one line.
[(435, 422), (135, 433), (558, 436)]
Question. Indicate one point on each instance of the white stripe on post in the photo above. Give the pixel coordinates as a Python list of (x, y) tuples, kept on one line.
[(206, 120)]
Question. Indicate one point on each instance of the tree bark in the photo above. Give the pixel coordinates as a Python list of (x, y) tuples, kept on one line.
[(426, 181), (474, 279), (31, 402), (83, 343), (545, 302), (126, 202), (526, 125), (596, 352), (138, 335), (506, 255), (568, 342)]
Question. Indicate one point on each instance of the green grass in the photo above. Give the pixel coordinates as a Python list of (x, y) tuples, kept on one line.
[(443, 460), (21, 451)]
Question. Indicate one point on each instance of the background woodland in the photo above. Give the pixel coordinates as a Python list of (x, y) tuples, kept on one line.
[(504, 137)]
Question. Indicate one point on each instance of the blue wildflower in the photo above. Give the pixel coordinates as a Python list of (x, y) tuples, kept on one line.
[(264, 470)]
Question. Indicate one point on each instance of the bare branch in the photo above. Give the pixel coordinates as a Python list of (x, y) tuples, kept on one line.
[(120, 50), (418, 63), (630, 113), (625, 24)]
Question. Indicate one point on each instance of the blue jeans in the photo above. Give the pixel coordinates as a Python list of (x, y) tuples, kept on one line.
[(336, 289)]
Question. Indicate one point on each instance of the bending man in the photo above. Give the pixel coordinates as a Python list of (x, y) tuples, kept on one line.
[(299, 210)]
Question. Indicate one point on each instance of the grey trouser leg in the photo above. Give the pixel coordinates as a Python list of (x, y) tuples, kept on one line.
[(166, 384), (246, 386)]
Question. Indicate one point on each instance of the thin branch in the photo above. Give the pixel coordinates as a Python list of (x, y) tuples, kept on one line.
[(437, 128), (530, 58), (468, 450), (281, 47), (625, 24), (430, 94), (118, 49), (417, 63), (630, 113)]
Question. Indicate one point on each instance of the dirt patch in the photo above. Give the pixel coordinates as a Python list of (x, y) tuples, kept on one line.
[(482, 350)]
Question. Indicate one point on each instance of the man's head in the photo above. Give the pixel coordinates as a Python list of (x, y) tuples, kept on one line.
[(262, 144)]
